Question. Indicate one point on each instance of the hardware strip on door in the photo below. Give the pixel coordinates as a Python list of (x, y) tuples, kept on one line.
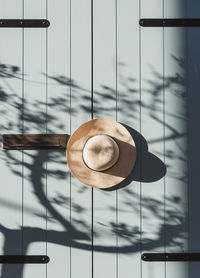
[(24, 23), (34, 141), (169, 22), (11, 259), (170, 257)]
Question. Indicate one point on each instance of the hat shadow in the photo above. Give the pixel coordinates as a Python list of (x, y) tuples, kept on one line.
[(148, 167)]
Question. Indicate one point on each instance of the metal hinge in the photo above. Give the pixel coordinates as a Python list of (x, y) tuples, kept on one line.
[(12, 259), (169, 22), (24, 23), (171, 257)]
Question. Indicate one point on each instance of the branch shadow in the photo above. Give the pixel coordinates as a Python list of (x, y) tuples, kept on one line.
[(148, 168)]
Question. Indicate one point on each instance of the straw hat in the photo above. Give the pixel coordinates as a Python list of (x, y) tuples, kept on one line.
[(101, 153)]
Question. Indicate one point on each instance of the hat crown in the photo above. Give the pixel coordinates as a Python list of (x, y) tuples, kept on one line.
[(100, 152)]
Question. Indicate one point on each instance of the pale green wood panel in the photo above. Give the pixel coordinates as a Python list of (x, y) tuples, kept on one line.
[(104, 13), (34, 162), (193, 88), (58, 121), (139, 79), (81, 246), (176, 193), (128, 112), (10, 122), (152, 129)]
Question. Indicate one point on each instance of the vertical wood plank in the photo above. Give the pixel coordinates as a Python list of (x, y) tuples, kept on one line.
[(34, 193), (10, 122), (80, 83), (152, 129), (193, 100), (58, 121), (176, 181), (128, 112), (104, 62)]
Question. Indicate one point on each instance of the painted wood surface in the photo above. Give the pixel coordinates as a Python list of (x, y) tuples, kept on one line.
[(81, 201), (152, 129), (58, 121), (128, 112), (104, 76), (193, 86), (34, 121), (176, 180), (11, 199), (95, 61), (176, 148)]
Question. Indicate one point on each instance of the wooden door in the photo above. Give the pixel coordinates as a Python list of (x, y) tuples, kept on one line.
[(96, 61)]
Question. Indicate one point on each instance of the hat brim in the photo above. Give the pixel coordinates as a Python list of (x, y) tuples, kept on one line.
[(118, 172)]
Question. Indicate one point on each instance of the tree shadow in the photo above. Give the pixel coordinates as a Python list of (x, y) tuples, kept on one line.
[(148, 168)]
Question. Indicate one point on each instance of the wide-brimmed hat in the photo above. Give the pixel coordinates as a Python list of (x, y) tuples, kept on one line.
[(101, 153)]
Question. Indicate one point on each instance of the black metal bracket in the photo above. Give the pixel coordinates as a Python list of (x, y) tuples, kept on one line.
[(169, 22), (24, 23), (11, 259), (170, 257)]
